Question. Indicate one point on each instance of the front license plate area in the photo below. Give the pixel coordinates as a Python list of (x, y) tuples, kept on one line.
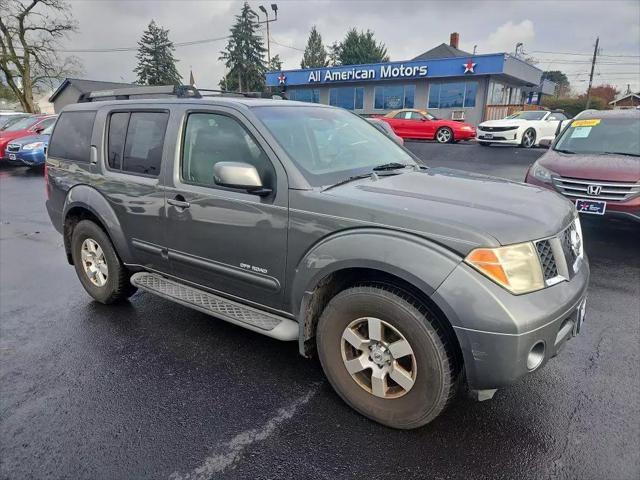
[(593, 207), (488, 136)]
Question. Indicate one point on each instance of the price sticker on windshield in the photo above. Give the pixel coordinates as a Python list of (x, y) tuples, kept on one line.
[(581, 132), (586, 123)]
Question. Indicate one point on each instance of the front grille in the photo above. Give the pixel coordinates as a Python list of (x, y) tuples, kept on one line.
[(13, 148), (496, 129), (547, 260), (612, 191)]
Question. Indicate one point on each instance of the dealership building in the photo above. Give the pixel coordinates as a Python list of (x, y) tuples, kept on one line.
[(445, 80)]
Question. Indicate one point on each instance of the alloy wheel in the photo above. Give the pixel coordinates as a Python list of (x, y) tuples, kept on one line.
[(378, 357), (528, 139), (443, 135), (94, 262)]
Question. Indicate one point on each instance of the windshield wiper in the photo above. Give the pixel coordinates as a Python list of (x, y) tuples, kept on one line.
[(347, 180), (389, 166), (562, 150), (621, 153)]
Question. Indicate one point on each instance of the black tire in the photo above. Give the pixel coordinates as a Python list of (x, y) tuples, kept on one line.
[(435, 380), (117, 286), (444, 129), (524, 143), (484, 144)]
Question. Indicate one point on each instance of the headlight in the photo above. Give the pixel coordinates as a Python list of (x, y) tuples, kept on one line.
[(541, 173), (467, 128), (33, 146), (515, 267)]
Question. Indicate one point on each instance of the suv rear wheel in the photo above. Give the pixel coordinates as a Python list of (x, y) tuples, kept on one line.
[(382, 354), (97, 264)]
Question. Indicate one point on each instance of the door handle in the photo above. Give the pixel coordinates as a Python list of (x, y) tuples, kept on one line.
[(178, 202)]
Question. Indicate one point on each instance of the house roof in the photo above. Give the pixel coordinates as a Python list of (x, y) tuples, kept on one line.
[(86, 86), (613, 102), (442, 51)]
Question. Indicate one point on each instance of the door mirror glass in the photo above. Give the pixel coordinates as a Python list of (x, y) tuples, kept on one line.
[(239, 175)]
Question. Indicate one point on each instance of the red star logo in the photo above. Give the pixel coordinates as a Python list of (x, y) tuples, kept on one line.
[(469, 66), (282, 78)]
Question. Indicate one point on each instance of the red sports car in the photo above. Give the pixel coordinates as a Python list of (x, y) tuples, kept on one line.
[(31, 125), (595, 162), (412, 123)]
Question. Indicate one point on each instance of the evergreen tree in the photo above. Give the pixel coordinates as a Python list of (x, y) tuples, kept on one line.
[(244, 54), (276, 64), (358, 47), (156, 64), (315, 55)]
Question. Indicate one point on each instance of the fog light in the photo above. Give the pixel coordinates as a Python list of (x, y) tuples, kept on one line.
[(536, 355)]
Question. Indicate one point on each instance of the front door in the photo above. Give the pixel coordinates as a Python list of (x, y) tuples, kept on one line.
[(226, 239)]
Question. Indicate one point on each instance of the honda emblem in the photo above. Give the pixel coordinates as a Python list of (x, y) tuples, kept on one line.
[(594, 189)]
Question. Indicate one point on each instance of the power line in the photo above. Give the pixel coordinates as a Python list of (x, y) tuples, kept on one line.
[(586, 54)]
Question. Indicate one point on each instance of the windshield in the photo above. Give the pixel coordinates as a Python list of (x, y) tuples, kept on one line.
[(330, 144), (20, 124), (533, 115), (608, 135), (6, 121)]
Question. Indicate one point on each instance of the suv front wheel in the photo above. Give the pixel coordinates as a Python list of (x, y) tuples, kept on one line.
[(98, 267), (384, 357)]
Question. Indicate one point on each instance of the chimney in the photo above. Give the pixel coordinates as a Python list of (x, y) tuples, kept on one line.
[(454, 39)]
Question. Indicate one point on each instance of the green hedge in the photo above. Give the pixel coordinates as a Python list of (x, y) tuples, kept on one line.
[(571, 105)]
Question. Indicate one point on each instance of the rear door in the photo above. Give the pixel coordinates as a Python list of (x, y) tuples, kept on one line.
[(134, 147), (226, 239)]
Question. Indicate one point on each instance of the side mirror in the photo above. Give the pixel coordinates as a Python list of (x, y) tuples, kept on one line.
[(545, 142), (239, 175), (424, 119), (38, 130)]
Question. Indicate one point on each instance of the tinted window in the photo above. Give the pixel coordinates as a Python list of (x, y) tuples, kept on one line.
[(311, 95), (453, 95), (46, 123), (211, 138), (117, 134), (143, 145), (394, 96), (351, 98), (72, 136)]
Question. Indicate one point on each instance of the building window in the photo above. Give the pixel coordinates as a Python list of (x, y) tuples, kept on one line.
[(351, 98), (311, 95), (453, 95), (391, 97)]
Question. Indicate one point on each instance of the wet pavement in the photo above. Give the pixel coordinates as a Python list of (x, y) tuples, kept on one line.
[(151, 389)]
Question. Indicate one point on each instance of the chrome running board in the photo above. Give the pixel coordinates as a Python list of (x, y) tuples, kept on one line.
[(251, 318)]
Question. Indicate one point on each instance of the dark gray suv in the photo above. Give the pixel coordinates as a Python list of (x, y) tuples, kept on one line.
[(304, 222)]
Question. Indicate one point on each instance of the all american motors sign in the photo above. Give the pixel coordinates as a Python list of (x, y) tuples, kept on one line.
[(377, 72)]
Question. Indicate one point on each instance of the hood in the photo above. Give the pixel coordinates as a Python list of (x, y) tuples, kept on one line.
[(613, 168), (31, 139), (459, 209), (505, 122)]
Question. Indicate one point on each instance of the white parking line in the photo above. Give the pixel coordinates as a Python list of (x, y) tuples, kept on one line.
[(230, 452)]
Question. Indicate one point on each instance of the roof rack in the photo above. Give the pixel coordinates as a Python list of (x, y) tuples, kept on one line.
[(179, 91)]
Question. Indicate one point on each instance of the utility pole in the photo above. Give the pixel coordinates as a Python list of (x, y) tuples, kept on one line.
[(274, 7), (593, 66)]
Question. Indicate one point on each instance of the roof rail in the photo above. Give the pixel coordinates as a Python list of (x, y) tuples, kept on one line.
[(179, 91)]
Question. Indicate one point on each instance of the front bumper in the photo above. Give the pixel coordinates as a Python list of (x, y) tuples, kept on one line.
[(30, 158), (464, 135), (497, 330), (511, 137)]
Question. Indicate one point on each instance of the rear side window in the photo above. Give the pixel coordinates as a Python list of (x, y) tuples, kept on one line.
[(71, 137), (135, 141)]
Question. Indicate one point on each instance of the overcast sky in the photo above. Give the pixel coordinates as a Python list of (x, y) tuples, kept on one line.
[(406, 27)]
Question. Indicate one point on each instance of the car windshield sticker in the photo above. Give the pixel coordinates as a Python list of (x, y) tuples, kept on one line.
[(581, 132), (586, 123)]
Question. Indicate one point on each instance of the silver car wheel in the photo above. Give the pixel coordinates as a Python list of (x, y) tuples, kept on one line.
[(528, 139), (94, 262), (378, 357), (443, 135)]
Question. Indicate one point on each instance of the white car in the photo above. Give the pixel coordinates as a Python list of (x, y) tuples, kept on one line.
[(527, 128)]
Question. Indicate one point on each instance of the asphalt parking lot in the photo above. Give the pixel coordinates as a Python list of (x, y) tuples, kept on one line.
[(151, 389)]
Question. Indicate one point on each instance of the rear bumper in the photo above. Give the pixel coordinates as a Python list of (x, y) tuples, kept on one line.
[(497, 330)]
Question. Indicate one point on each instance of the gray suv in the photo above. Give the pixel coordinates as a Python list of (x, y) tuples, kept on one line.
[(304, 222)]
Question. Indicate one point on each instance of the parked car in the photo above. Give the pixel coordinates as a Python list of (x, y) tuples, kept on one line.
[(301, 222), (385, 128), (7, 117), (420, 124), (30, 150), (595, 162), (33, 124), (525, 129)]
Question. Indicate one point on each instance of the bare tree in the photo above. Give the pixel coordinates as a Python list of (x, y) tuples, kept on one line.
[(29, 35)]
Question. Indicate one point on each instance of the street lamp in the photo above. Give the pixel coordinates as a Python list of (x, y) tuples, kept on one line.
[(274, 7)]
